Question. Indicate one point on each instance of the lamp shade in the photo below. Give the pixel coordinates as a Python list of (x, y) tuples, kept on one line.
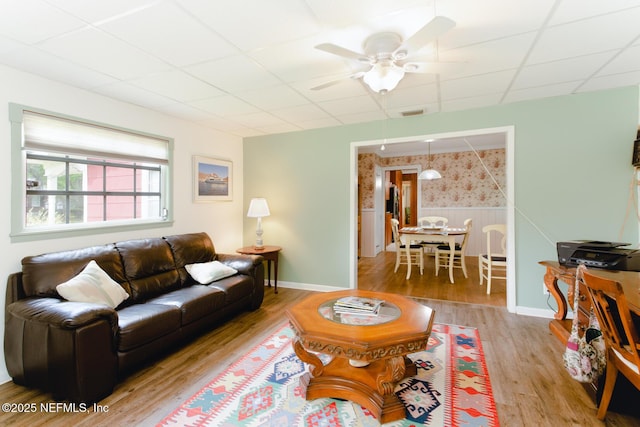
[(429, 174), (258, 208)]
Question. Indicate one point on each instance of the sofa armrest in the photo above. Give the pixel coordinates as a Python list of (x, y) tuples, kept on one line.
[(64, 347), (245, 264), (250, 265)]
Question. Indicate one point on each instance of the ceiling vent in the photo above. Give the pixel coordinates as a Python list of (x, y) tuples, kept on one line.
[(412, 113)]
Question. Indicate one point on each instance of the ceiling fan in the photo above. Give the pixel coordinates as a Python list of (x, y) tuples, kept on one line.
[(388, 55)]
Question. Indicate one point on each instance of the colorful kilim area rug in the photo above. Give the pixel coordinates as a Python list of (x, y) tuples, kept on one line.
[(451, 388)]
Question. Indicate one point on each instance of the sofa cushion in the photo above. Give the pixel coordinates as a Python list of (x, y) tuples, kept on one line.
[(207, 272), (93, 285), (235, 287), (42, 273), (194, 302), (190, 249), (149, 267), (139, 324)]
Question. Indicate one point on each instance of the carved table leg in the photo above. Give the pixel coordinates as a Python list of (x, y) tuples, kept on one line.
[(551, 282)]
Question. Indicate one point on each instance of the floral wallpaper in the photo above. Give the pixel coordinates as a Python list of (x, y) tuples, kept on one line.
[(464, 183)]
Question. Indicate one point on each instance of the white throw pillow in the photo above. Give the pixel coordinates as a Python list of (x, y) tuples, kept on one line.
[(207, 272), (93, 285)]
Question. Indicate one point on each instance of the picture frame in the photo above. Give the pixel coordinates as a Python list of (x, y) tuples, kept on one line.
[(212, 179)]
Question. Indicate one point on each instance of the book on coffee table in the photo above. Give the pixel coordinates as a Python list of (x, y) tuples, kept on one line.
[(358, 305)]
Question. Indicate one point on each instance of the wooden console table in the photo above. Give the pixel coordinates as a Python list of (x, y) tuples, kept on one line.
[(560, 326)]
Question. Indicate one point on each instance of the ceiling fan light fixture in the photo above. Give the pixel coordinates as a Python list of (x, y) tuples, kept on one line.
[(383, 77)]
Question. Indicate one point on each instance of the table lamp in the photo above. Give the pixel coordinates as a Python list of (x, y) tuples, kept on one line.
[(258, 208)]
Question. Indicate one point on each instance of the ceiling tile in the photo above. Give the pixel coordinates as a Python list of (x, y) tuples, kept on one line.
[(304, 113), (273, 98), (224, 106), (100, 11), (177, 85), (171, 34), (31, 21), (586, 37), (567, 70), (36, 61), (624, 61), (101, 52), (482, 21), (262, 23), (135, 95), (487, 57), (611, 81), (469, 87), (339, 107), (572, 10), (541, 92), (234, 74), (472, 102)]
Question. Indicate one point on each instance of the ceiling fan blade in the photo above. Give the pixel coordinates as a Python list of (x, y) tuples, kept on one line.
[(335, 82), (436, 27), (341, 51)]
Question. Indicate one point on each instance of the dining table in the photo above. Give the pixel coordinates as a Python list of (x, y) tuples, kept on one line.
[(446, 235)]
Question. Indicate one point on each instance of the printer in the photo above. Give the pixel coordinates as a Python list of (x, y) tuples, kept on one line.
[(593, 253)]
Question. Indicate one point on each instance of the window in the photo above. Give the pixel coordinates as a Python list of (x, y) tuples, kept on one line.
[(81, 176)]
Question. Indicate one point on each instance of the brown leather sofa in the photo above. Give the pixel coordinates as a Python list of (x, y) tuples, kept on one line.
[(77, 350)]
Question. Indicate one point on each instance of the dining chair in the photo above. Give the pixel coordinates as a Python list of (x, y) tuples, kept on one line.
[(493, 262), (443, 252), (416, 252), (432, 222), (619, 331)]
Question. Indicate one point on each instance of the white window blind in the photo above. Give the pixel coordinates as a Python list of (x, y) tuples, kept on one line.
[(47, 133)]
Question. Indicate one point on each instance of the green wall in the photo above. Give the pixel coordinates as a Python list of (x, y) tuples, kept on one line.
[(572, 176)]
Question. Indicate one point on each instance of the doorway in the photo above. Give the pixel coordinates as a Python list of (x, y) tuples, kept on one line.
[(400, 198), (472, 138)]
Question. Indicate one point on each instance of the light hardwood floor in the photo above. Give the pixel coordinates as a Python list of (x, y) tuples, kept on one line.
[(524, 362)]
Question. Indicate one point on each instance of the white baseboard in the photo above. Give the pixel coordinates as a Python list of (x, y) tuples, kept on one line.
[(308, 286)]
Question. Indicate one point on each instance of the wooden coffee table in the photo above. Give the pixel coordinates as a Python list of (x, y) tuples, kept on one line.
[(369, 352)]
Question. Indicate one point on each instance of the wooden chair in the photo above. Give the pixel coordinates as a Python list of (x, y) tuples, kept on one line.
[(493, 262), (443, 252), (416, 252), (434, 222), (619, 331)]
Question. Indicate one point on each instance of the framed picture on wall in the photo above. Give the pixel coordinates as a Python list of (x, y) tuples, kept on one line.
[(212, 179)]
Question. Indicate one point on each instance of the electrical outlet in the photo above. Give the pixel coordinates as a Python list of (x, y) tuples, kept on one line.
[(545, 290)]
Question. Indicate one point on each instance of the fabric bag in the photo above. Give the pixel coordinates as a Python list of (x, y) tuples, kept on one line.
[(584, 357)]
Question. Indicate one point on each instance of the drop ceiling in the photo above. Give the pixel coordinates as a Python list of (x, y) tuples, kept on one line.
[(246, 67)]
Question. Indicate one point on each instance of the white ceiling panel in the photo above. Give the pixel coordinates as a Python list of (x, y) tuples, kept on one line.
[(273, 98), (210, 61), (95, 12), (252, 24), (225, 106), (168, 32), (572, 10), (586, 36), (624, 61), (31, 21), (567, 70), (484, 84), (99, 51), (234, 74), (36, 61), (177, 85)]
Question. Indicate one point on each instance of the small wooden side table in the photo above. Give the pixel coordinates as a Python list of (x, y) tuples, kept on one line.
[(270, 254)]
